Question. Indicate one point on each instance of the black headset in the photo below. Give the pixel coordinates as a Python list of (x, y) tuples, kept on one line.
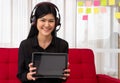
[(33, 17)]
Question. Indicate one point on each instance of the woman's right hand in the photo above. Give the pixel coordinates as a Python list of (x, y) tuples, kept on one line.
[(31, 72)]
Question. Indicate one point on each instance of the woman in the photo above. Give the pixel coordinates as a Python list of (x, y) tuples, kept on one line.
[(41, 38)]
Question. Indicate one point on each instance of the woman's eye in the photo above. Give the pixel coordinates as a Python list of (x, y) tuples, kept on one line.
[(43, 20), (51, 21)]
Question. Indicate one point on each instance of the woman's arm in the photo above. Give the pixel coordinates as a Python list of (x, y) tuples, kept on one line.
[(22, 71)]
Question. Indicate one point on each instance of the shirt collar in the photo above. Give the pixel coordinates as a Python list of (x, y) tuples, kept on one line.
[(35, 41)]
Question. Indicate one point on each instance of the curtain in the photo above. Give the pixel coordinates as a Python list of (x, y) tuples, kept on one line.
[(14, 22), (98, 29)]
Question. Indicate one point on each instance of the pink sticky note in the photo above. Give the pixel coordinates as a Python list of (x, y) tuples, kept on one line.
[(96, 3), (88, 3), (85, 17), (103, 10)]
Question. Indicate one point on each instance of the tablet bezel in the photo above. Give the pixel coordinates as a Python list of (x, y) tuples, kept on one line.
[(39, 54)]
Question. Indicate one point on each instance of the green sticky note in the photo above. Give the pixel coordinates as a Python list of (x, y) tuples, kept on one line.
[(103, 2), (80, 3), (88, 10)]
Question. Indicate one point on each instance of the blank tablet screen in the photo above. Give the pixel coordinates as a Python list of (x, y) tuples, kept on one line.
[(49, 65)]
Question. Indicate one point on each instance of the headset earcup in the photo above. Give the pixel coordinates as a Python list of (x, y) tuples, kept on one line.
[(33, 20), (58, 22)]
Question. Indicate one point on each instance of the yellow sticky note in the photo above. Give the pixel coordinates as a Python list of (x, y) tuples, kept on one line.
[(103, 2), (96, 10), (111, 2), (117, 15), (80, 3), (119, 4), (80, 10), (88, 10)]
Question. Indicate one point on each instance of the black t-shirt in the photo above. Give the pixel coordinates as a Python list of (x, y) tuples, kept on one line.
[(27, 47)]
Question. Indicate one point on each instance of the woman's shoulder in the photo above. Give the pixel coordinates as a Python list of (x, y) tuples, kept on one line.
[(27, 41), (62, 45), (62, 41)]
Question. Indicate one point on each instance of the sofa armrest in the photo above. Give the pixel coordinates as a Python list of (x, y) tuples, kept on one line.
[(102, 78)]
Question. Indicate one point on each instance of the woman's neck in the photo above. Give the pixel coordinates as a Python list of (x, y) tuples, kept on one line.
[(44, 41), (44, 38)]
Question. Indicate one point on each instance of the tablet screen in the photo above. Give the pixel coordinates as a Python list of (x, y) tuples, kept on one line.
[(49, 65)]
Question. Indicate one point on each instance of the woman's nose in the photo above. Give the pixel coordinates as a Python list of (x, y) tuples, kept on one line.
[(46, 23)]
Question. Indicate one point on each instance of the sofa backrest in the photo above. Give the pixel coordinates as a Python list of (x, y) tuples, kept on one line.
[(81, 63)]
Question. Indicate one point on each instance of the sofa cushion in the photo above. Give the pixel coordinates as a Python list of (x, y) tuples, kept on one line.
[(8, 64), (4, 61), (82, 66), (81, 81)]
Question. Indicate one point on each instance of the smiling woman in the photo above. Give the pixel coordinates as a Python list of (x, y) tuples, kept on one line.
[(41, 38)]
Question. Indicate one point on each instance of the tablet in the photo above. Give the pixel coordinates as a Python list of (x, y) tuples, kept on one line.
[(49, 65)]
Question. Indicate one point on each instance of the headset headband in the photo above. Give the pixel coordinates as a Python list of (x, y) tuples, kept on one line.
[(51, 4)]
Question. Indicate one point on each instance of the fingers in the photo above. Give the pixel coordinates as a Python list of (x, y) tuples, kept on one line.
[(64, 78), (29, 76), (31, 69), (30, 65), (67, 70), (31, 72), (68, 64), (66, 74)]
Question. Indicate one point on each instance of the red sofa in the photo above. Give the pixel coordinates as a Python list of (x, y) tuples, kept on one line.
[(81, 64)]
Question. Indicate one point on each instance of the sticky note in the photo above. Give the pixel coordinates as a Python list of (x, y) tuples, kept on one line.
[(80, 10), (111, 2), (88, 10), (97, 3), (119, 4), (103, 2), (80, 3), (117, 15), (96, 10), (88, 3), (103, 9), (85, 17)]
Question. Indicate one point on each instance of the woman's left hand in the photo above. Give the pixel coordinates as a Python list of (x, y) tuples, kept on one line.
[(66, 73)]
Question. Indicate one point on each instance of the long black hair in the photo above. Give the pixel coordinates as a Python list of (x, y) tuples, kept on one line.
[(40, 10)]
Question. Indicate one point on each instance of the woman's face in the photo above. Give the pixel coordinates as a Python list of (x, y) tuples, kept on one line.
[(46, 24)]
